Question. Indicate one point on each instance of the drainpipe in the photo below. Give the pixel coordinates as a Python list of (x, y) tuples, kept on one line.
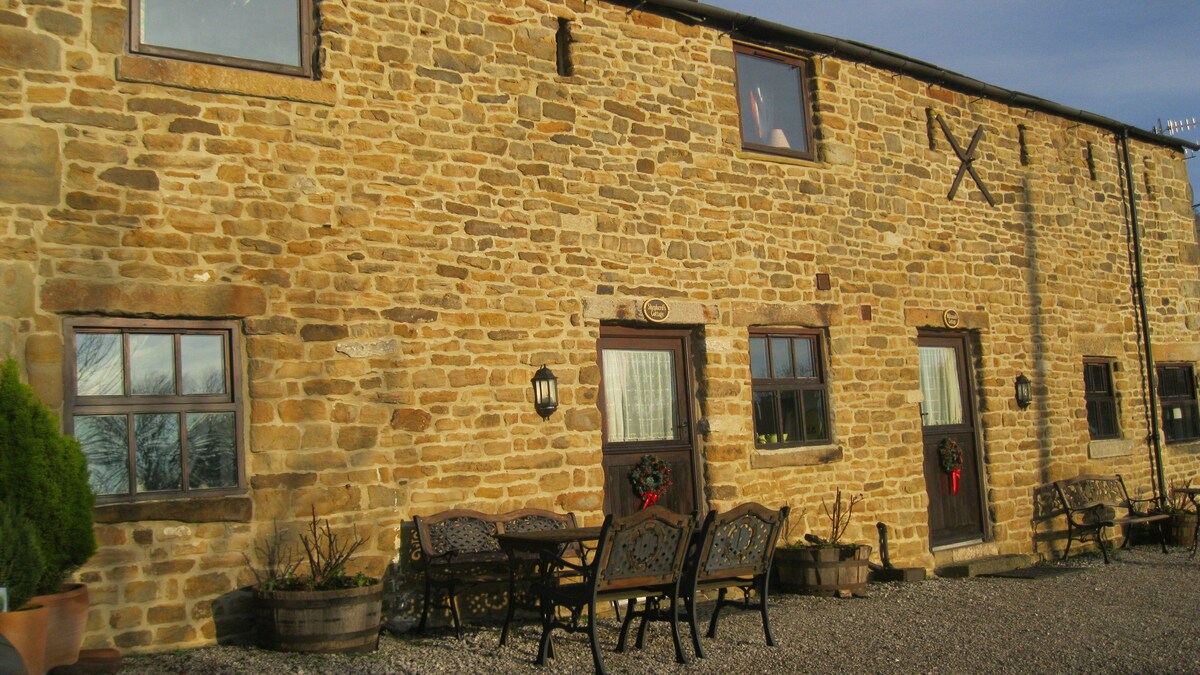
[(1139, 288)]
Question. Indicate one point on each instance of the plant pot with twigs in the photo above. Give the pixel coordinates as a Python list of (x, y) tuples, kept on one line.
[(328, 610), (820, 566)]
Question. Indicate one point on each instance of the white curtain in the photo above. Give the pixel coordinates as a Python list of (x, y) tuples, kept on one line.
[(939, 385), (639, 395)]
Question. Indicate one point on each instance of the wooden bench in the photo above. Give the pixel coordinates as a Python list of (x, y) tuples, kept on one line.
[(1093, 503), (460, 551)]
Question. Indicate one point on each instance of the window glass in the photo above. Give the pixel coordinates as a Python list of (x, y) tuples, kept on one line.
[(105, 439), (99, 364), (1101, 400), (940, 388), (152, 365), (639, 395), (175, 431), (1177, 398), (260, 30), (788, 388), (773, 104), (203, 364)]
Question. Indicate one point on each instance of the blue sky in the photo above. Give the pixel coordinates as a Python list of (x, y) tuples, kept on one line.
[(1133, 61)]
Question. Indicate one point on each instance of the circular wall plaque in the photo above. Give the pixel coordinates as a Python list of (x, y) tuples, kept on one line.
[(656, 310), (950, 318)]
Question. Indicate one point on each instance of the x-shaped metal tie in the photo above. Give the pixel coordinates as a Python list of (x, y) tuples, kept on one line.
[(967, 158)]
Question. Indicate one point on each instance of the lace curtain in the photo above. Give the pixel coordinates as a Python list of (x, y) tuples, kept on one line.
[(639, 395), (939, 385)]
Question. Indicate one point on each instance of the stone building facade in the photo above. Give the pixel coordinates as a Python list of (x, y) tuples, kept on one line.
[(391, 247)]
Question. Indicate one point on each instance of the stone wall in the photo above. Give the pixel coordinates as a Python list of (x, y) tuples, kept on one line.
[(405, 240)]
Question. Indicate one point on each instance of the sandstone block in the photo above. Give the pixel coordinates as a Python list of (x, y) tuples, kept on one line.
[(30, 164)]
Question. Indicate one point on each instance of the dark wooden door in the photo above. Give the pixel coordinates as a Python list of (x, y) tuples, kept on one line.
[(948, 415), (645, 402)]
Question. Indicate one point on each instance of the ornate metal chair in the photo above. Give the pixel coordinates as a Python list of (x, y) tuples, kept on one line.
[(734, 550), (638, 556)]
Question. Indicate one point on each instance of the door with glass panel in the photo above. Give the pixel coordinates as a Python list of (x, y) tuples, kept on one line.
[(951, 462), (645, 402)]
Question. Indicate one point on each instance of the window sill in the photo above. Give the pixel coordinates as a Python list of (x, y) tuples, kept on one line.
[(226, 509), (1113, 447), (809, 455), (759, 156), (1189, 447), (222, 80)]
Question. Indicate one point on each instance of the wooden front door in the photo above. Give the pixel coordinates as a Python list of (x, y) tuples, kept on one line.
[(948, 417), (645, 402)]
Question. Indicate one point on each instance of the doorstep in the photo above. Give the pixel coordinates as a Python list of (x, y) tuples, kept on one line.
[(986, 565)]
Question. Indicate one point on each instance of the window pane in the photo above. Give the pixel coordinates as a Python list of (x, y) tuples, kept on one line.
[(105, 441), (789, 411), (640, 401), (261, 30), (157, 455), (152, 365), (766, 427), (781, 357), (212, 451), (1102, 419), (802, 350), (99, 364), (814, 415), (1095, 377), (203, 364), (772, 106), (939, 385), (760, 366)]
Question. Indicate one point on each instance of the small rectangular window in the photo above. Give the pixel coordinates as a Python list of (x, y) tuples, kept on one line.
[(788, 388), (776, 116), (270, 35), (1177, 397), (155, 406), (1101, 399)]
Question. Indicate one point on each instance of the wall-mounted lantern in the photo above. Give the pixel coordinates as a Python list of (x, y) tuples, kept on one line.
[(545, 392), (1024, 391)]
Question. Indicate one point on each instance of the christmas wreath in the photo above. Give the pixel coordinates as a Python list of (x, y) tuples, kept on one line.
[(650, 478), (950, 458)]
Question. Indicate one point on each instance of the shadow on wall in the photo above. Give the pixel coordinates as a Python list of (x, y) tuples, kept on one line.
[(233, 614), (1049, 523)]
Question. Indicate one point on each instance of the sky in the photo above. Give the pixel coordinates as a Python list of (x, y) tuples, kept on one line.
[(1136, 61)]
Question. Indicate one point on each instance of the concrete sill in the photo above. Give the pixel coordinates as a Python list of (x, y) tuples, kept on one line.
[(806, 456)]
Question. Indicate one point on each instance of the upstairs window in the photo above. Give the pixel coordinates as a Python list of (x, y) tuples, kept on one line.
[(1177, 396), (270, 35), (155, 406), (773, 100), (788, 387), (1101, 399)]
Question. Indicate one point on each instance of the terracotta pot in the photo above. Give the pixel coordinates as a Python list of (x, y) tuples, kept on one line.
[(26, 629), (68, 617), (823, 570), (344, 620)]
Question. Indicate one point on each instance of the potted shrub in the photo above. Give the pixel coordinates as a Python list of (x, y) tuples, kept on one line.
[(21, 566), (826, 566), (43, 476), (326, 611)]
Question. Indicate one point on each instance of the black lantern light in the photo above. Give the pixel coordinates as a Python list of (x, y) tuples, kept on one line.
[(545, 392), (1024, 391)]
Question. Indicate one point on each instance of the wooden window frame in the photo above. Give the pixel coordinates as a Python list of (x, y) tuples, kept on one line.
[(773, 384), (1110, 397), (1187, 399), (126, 404), (806, 101), (307, 35)]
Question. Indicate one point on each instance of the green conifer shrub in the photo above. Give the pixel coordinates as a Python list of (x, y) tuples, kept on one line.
[(21, 562), (44, 475)]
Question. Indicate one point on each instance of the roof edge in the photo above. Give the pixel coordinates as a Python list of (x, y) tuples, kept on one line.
[(752, 28)]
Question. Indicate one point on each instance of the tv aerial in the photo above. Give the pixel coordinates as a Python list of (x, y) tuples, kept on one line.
[(1173, 127)]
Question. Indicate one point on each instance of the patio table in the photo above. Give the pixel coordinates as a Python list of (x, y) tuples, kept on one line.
[(549, 546)]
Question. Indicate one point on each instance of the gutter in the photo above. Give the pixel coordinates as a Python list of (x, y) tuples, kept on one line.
[(753, 28)]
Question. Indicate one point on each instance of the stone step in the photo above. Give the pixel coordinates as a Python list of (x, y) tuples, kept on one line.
[(988, 565)]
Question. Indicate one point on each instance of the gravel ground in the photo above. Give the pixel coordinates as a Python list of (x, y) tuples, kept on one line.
[(1140, 614)]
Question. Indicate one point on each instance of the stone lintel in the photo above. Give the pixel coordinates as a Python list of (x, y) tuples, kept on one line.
[(789, 314), (210, 301), (936, 318), (630, 309)]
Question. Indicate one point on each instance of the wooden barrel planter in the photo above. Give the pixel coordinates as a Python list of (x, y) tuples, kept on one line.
[(824, 570), (343, 620), (1181, 529)]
